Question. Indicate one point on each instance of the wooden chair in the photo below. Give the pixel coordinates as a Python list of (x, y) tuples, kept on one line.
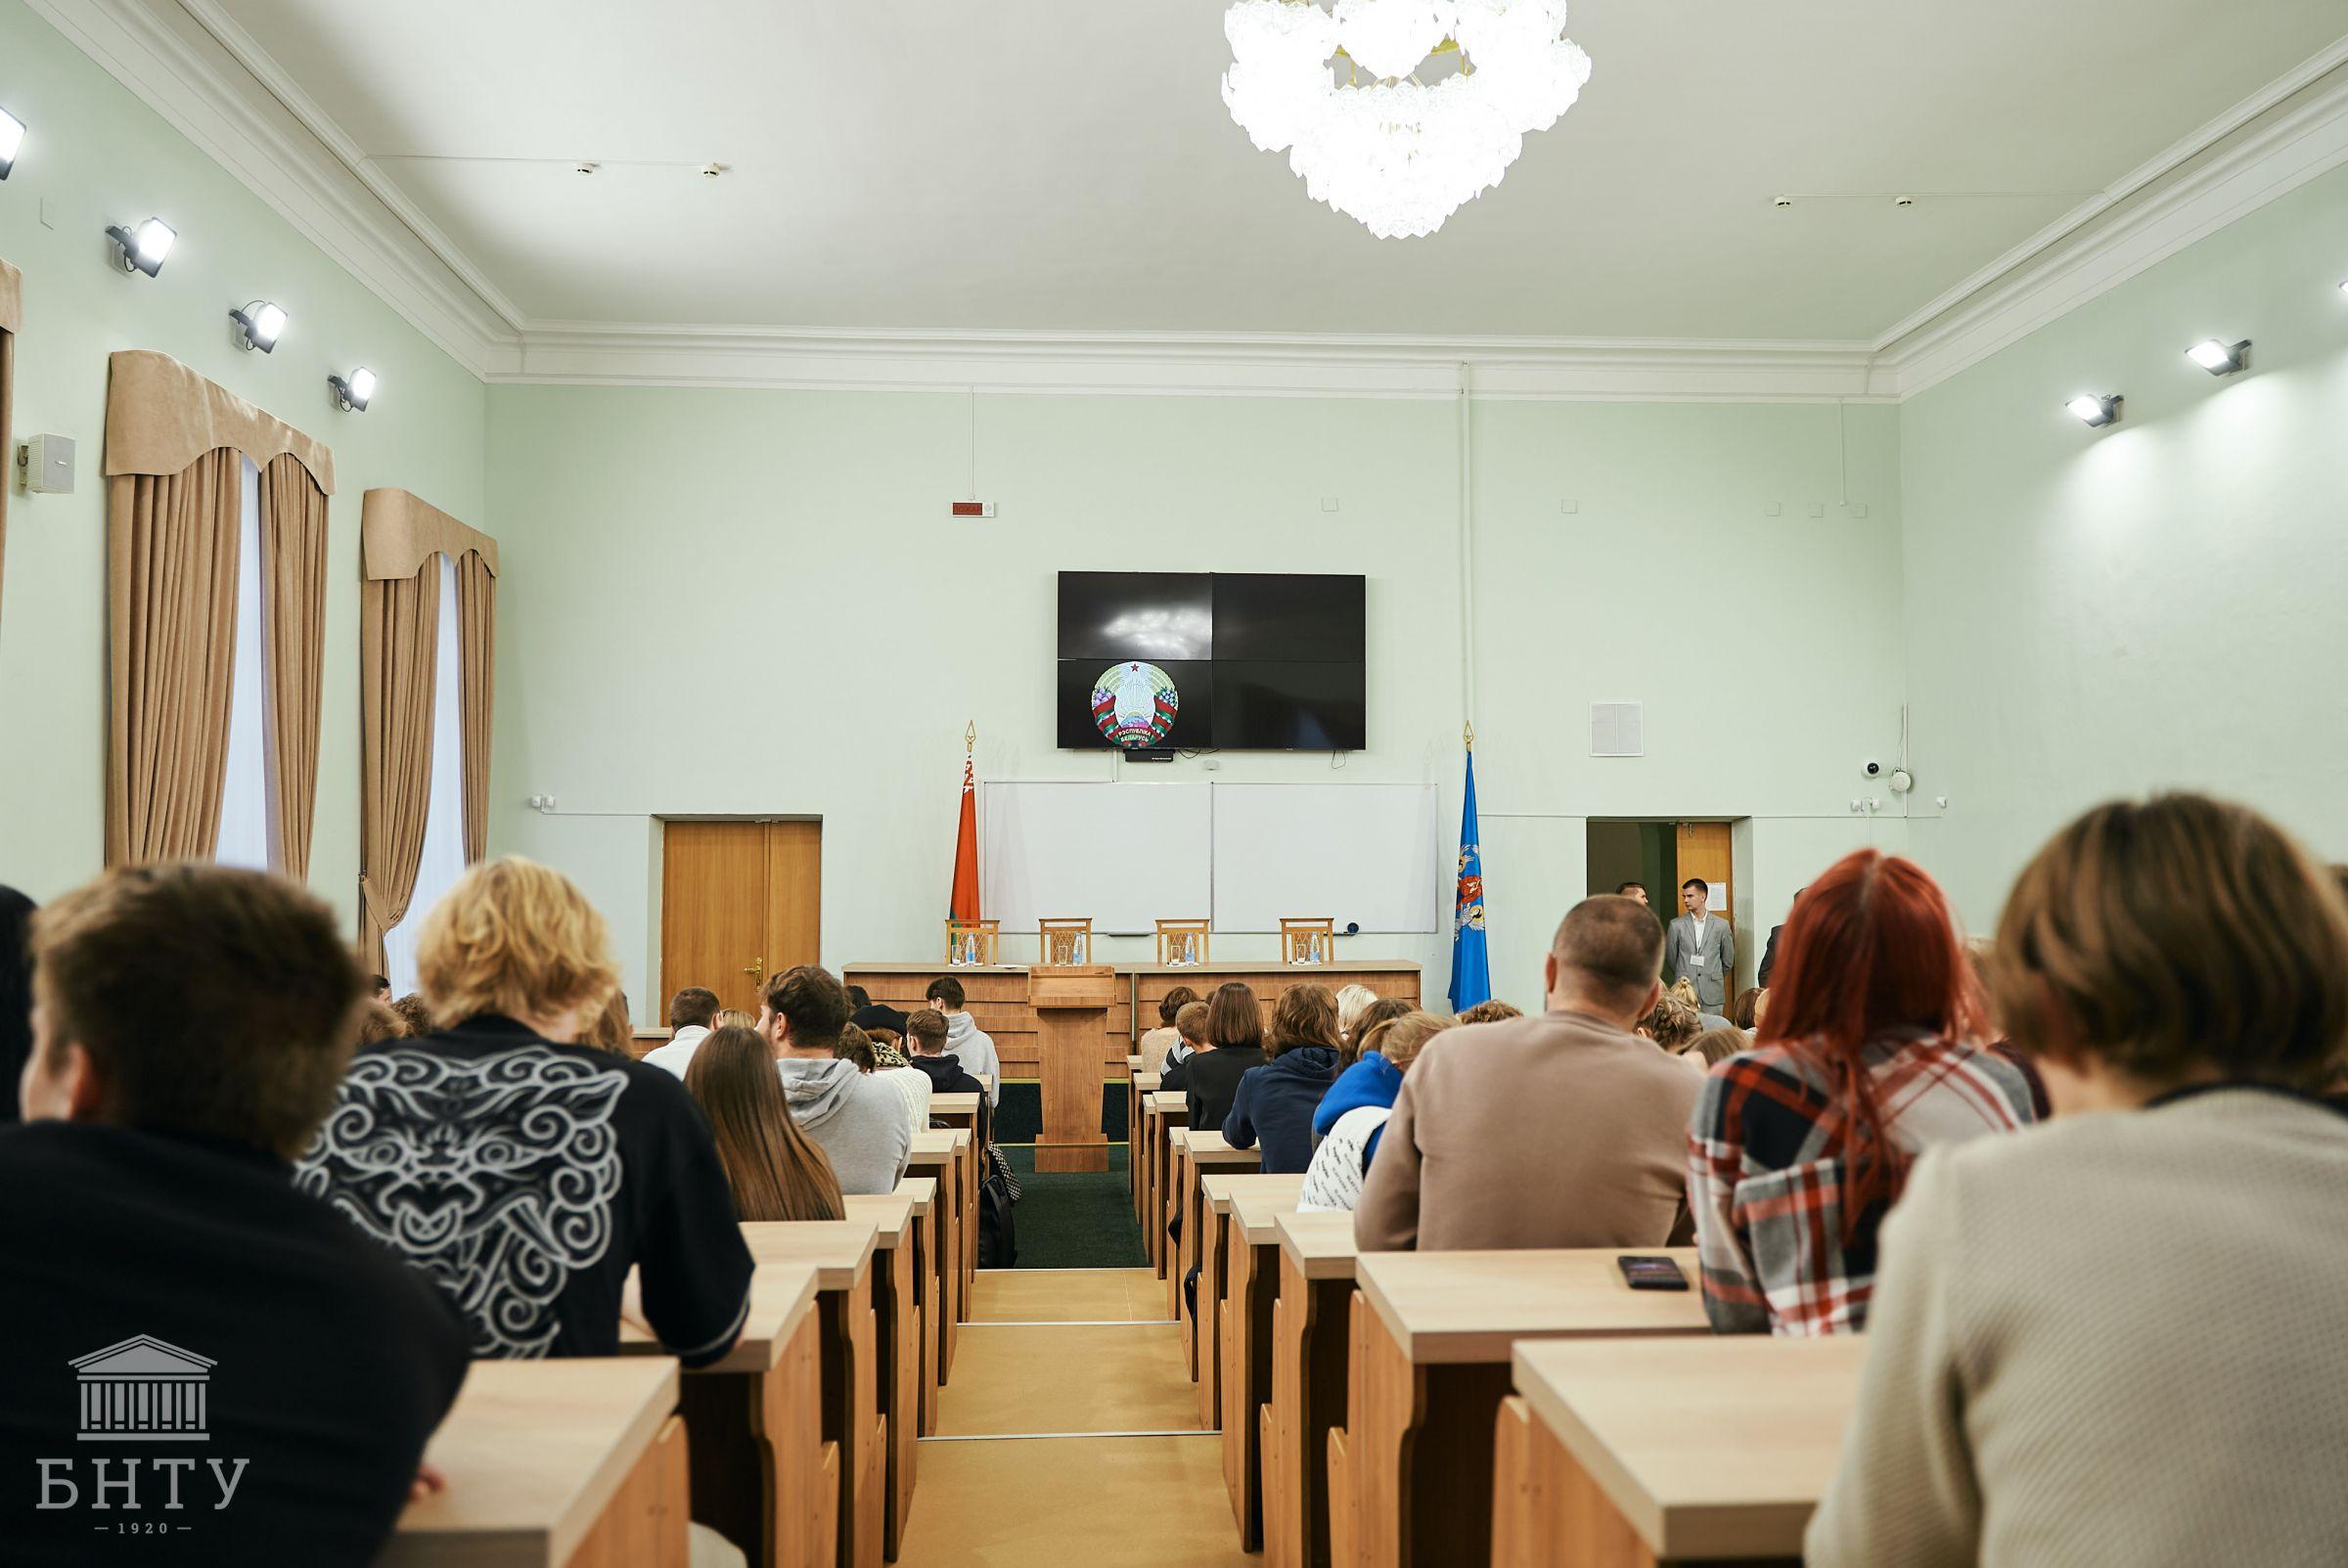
[(1066, 942), (1308, 943), (970, 942), (1181, 943)]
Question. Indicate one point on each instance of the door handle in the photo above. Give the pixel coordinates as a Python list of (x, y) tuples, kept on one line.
[(755, 969)]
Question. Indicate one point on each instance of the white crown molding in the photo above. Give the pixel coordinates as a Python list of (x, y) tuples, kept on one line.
[(157, 50), (221, 89), (2290, 132), (1179, 364)]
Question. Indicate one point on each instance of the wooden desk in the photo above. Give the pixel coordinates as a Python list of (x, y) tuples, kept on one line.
[(1311, 1346), (1243, 1337), (761, 1477), (929, 1220), (936, 1155), (577, 1463), (1432, 1336), (1218, 1190), (841, 1251), (897, 1344), (1669, 1452), (1133, 1131), (1200, 1153), (1162, 1112), (960, 1113)]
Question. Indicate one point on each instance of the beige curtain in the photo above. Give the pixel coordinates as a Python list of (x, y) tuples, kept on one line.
[(476, 608), (11, 312), (293, 628), (399, 619), (171, 631)]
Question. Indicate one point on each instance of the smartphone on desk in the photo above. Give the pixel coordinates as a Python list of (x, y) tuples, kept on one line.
[(1651, 1273)]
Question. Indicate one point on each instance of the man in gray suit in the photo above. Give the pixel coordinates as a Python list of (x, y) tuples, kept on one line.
[(1700, 947)]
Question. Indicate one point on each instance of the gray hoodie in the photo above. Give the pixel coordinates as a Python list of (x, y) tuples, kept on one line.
[(974, 1048), (859, 1121)]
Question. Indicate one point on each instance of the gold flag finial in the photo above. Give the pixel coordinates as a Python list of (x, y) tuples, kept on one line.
[(1467, 735), (969, 736)]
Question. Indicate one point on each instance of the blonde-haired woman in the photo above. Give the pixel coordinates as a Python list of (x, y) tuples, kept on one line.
[(1334, 1179), (525, 1173)]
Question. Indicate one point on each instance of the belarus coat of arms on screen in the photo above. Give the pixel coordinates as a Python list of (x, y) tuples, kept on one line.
[(1133, 704)]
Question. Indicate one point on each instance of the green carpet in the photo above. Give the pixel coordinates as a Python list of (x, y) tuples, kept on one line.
[(1075, 1221)]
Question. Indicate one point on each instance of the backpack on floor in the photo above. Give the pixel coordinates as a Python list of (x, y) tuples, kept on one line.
[(998, 1241)]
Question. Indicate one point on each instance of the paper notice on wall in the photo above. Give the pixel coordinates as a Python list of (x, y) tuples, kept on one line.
[(1716, 898)]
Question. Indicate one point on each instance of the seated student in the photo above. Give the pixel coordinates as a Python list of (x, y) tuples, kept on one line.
[(1745, 1013), (383, 987), (862, 1125), (1352, 1002), (857, 1047), (1380, 1011), (691, 1015), (1235, 1043), (1191, 1025), (524, 1174), (614, 1031), (972, 1044), (2115, 1338), (1716, 1046), (926, 1035), (377, 1021), (872, 1015), (415, 1014), (1800, 1145), (1333, 1179), (1684, 990), (1982, 954), (775, 1170), (1275, 1102), (1492, 1012), (194, 1022), (1155, 1045), (1674, 1023), (1561, 1131), (733, 1018), (1370, 1079)]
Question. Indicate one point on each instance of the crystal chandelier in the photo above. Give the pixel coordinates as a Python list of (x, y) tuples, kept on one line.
[(1397, 153)]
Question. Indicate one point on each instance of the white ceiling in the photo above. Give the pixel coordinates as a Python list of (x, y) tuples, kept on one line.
[(1048, 165)]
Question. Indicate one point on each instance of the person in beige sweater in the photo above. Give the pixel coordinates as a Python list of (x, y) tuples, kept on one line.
[(1564, 1130), (2115, 1338)]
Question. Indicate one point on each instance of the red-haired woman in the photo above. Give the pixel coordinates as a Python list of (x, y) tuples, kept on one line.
[(1868, 1055)]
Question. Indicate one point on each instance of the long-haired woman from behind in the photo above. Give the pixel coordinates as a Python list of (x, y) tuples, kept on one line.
[(1870, 1053), (1234, 1036), (776, 1170)]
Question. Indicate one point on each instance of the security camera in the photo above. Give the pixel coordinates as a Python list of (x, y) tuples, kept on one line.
[(1871, 768)]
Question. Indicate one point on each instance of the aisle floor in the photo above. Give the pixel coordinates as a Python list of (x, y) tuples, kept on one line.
[(1127, 1479)]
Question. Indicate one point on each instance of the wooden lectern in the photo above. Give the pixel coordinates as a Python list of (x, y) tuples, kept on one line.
[(1071, 1002)]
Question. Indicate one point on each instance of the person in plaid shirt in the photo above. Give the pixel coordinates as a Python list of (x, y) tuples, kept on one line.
[(1798, 1148)]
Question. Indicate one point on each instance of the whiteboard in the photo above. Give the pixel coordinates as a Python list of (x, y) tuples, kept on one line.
[(1369, 854), (1126, 855)]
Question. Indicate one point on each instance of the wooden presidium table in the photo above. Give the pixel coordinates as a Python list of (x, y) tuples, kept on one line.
[(1246, 1276), (1311, 1346), (897, 1351), (1411, 1478), (1630, 1455), (763, 1476), (555, 1465), (1071, 1005)]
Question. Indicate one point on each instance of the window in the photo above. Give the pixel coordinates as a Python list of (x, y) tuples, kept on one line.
[(442, 860), (246, 802)]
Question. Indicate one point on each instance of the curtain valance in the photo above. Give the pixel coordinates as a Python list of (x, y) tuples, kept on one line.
[(160, 417), (398, 532)]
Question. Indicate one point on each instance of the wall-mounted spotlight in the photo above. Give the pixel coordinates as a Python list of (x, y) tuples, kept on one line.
[(259, 324), (2092, 410), (143, 250), (352, 395), (12, 137), (2220, 359)]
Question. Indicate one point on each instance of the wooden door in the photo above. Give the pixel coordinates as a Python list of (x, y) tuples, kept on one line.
[(1704, 851), (739, 901)]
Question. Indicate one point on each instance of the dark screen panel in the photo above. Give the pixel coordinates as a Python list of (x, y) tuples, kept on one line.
[(1153, 615), (1289, 705), (1291, 617), (1194, 720)]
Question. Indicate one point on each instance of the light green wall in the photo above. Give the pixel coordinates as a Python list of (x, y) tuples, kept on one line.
[(740, 602), (2155, 605), (94, 156)]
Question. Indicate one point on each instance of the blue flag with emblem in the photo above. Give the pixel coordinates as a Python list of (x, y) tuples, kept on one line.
[(1471, 969)]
